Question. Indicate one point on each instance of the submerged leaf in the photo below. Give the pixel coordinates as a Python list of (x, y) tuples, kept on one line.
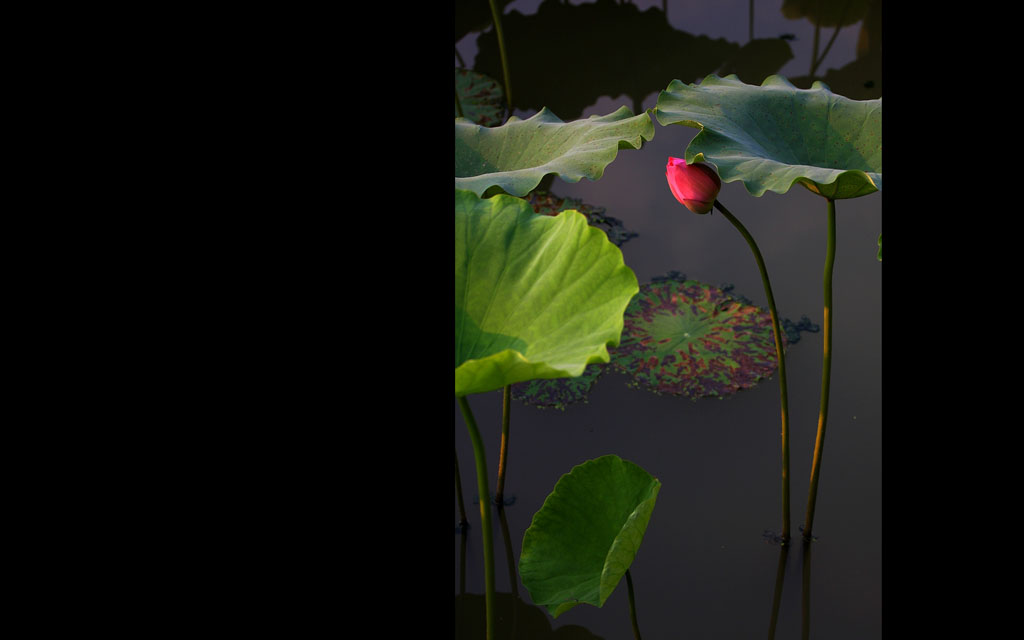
[(586, 535), (535, 296), (775, 135), (515, 157), (689, 339)]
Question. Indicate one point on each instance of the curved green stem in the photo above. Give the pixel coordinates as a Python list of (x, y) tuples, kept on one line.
[(506, 411), (496, 16), (826, 369), (780, 574), (632, 606), (780, 354), (480, 456)]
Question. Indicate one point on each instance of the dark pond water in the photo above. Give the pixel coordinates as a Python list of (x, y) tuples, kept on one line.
[(704, 569)]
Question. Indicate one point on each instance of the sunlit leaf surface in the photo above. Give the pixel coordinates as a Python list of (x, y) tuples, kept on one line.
[(535, 296), (586, 535), (774, 135)]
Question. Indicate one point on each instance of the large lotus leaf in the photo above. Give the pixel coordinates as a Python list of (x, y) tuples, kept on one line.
[(516, 156), (535, 296), (480, 97), (586, 535), (776, 135), (689, 339)]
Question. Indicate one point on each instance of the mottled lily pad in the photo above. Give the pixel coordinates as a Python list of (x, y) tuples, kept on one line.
[(549, 204), (535, 296), (776, 135), (690, 339), (559, 392), (481, 98), (515, 157), (586, 535)]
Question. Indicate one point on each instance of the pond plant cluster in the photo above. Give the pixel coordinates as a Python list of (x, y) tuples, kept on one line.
[(544, 300)]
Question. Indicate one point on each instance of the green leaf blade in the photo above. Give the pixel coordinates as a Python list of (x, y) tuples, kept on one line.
[(515, 157), (586, 535), (536, 297), (774, 136)]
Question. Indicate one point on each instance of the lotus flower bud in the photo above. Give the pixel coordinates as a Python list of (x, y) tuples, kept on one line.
[(694, 185)]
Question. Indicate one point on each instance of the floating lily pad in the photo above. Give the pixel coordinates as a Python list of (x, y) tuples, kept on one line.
[(586, 535), (560, 392), (690, 339), (480, 97), (515, 157), (549, 204), (776, 135), (535, 296)]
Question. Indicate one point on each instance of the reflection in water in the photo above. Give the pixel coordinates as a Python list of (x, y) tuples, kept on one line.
[(780, 575), (566, 56), (533, 622), (860, 79), (805, 602)]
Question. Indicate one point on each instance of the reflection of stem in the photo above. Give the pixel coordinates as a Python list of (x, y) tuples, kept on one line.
[(817, 35), (462, 63), (805, 603), (511, 560), (826, 368), (485, 512), (780, 574), (780, 354), (751, 21), (496, 16), (462, 563), (632, 606), (463, 521), (506, 413), (816, 62)]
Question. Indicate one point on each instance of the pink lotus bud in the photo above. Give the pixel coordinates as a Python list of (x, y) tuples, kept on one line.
[(694, 185)]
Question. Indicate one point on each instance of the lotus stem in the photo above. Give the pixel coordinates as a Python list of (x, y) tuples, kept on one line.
[(496, 16), (506, 411), (632, 606), (463, 520), (480, 455), (780, 354), (826, 369)]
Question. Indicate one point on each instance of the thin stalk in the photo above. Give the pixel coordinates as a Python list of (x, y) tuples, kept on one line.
[(496, 16), (506, 414), (632, 606), (780, 354), (839, 25), (513, 577), (458, 105), (480, 455), (463, 521), (826, 369)]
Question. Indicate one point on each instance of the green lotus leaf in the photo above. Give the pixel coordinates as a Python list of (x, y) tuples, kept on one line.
[(535, 296), (515, 157), (586, 535), (480, 97), (550, 204), (686, 338), (776, 135)]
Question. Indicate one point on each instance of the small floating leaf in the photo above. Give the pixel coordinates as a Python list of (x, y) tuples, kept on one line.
[(549, 204), (775, 135), (586, 535), (516, 156), (481, 98), (691, 339), (535, 296), (559, 392)]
